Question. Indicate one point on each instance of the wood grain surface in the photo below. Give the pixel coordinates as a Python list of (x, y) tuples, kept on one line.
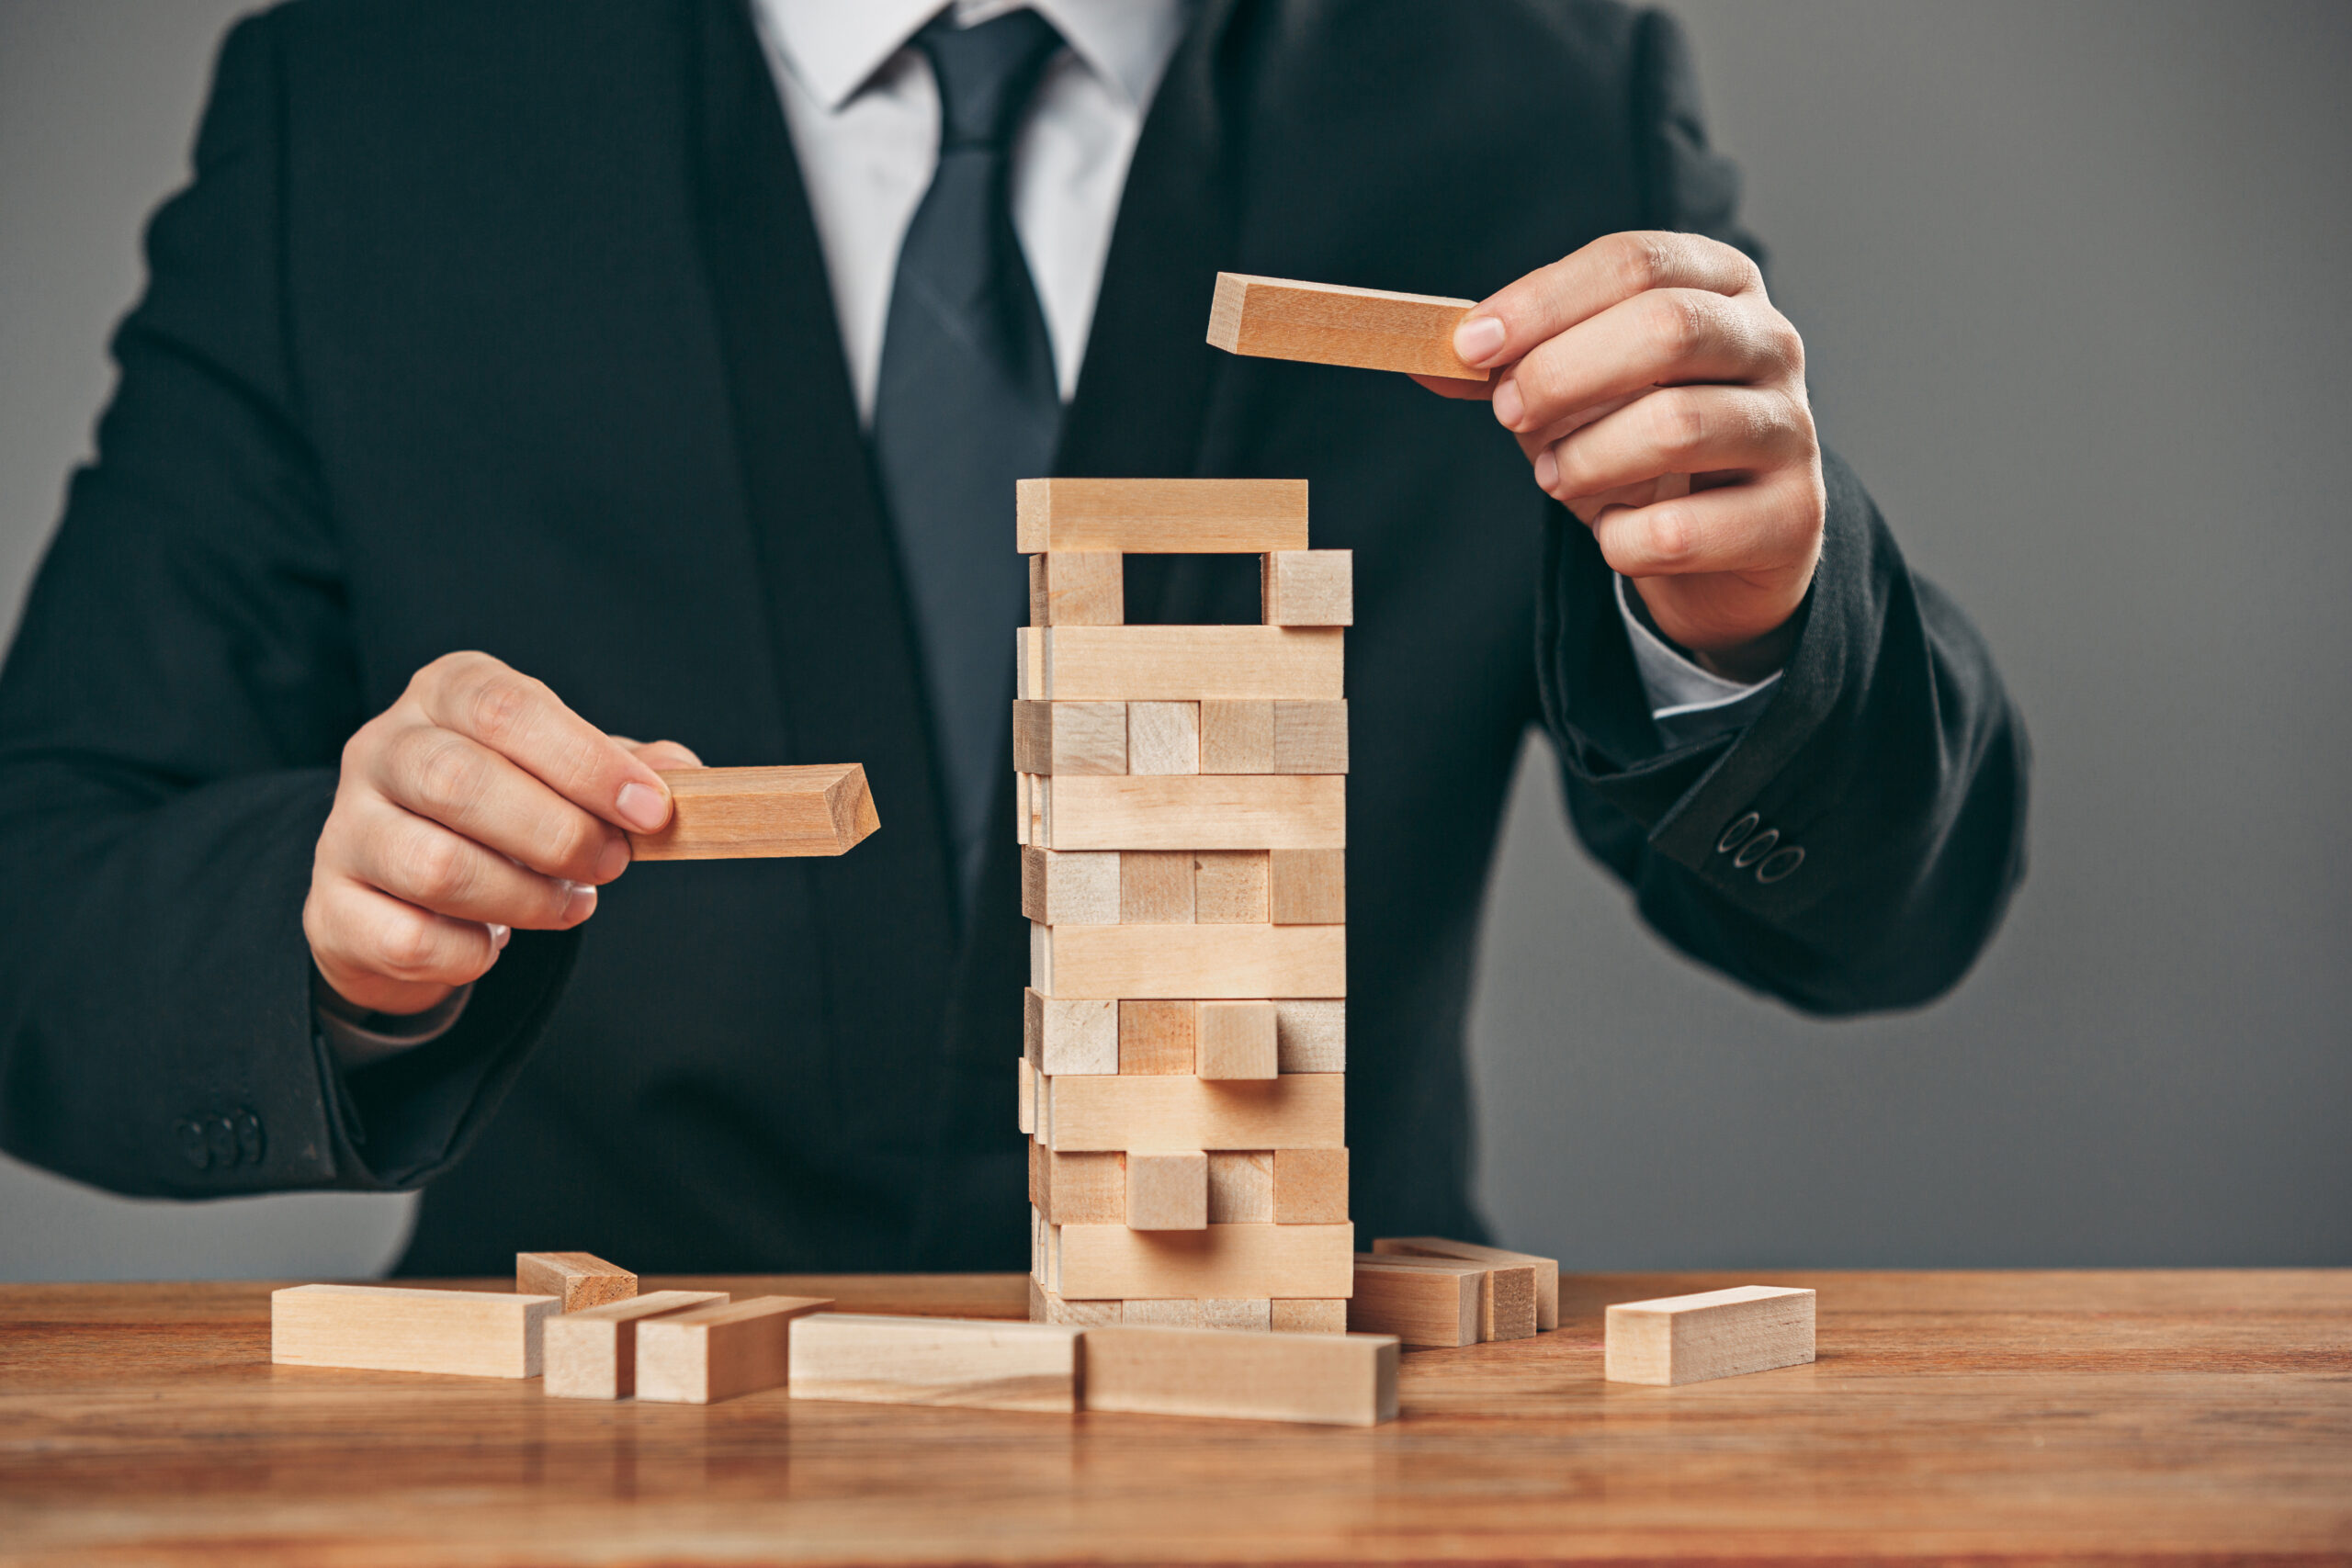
[(1984, 1417)]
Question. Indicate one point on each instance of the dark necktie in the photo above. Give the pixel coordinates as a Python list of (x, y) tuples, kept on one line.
[(967, 403)]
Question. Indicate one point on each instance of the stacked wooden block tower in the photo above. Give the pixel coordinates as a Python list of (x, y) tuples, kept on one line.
[(1182, 812)]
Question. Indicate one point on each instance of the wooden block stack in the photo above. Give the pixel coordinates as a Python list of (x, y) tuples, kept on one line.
[(1182, 812)]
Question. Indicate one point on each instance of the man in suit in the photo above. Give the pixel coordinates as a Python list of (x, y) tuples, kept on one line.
[(515, 378)]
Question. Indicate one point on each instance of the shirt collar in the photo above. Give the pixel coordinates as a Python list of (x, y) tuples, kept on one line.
[(834, 47)]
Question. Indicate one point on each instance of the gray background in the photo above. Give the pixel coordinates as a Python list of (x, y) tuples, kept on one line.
[(2073, 279)]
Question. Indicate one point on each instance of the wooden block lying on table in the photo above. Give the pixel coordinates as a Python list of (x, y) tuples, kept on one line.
[(1309, 588), (1297, 1110), (1069, 737), (1311, 1034), (1547, 1269), (1069, 887), (1311, 737), (1506, 1293), (1229, 888), (718, 1352), (1078, 587), (1326, 324), (1424, 1302), (1716, 1333), (1328, 1379), (1173, 664), (1168, 1191), (1241, 1187), (1061, 1036), (1310, 1187), (389, 1328), (1098, 1262), (1235, 1040), (744, 813), (1309, 1318), (1219, 962), (1078, 1189), (1192, 812), (1155, 887), (1163, 738), (984, 1363), (1045, 1306), (592, 1354), (1237, 735), (577, 1279), (1160, 516), (1306, 887), (1155, 1036)]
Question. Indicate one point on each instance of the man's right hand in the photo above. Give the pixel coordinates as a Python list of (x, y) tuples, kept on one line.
[(475, 804)]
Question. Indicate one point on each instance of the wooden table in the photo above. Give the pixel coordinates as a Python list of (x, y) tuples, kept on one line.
[(1951, 1417)]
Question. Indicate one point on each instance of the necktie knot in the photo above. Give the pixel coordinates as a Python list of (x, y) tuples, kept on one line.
[(986, 76)]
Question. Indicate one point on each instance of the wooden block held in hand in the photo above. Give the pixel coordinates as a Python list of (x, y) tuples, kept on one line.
[(1311, 1034), (592, 1354), (1237, 735), (578, 1279), (1326, 324), (1235, 1040), (1716, 1333), (389, 1328), (718, 1352), (1168, 1191), (1241, 1187), (982, 1363), (1160, 516), (1306, 887), (740, 813), (1424, 1302), (1309, 588), (1192, 812), (1097, 1262), (1163, 738), (1069, 737), (1155, 887), (1182, 664), (1328, 1379), (1078, 587), (1079, 1188), (1297, 1110), (1547, 1269), (1245, 962), (1229, 888), (1311, 737), (1309, 1318), (1310, 1187)]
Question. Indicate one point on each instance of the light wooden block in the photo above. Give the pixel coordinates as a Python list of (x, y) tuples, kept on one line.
[(1069, 889), (1023, 813), (1078, 1189), (1310, 1187), (1716, 1333), (1427, 1302), (747, 813), (1326, 324), (1156, 1037), (1061, 1036), (1311, 737), (1206, 962), (1236, 736), (1306, 887), (577, 1279), (1078, 587), (1097, 1262), (389, 1328), (1160, 516), (1071, 738), (1192, 812), (1327, 1379), (1045, 1306), (1164, 737), (1029, 664), (1176, 1312), (1302, 1110), (1311, 1034), (1168, 1191), (1309, 588), (1241, 1187), (1235, 1040), (1155, 887), (1025, 1116), (1243, 1314), (718, 1352), (1229, 888), (1506, 1292), (982, 1363), (1309, 1318), (1547, 1269), (592, 1354), (1173, 664)]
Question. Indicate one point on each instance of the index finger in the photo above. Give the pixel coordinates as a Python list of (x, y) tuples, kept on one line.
[(1508, 322), (523, 720)]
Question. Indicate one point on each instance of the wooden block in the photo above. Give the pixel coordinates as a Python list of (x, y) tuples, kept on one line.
[(1236, 736), (1193, 812), (1310, 1187), (1078, 1189), (1023, 815), (1174, 1311), (1097, 1262), (983, 1363), (1071, 738), (592, 1354), (1547, 1269), (1311, 1034), (1045, 1306), (1424, 1302), (1164, 737), (1062, 1036), (1309, 1318), (1329, 1380), (1325, 324), (1207, 962), (387, 1329), (718, 1352), (1506, 1293), (1172, 664), (745, 813), (1155, 887), (1242, 1314), (1309, 588), (1160, 516), (1241, 1187), (1069, 889), (1716, 1333), (1078, 587), (1026, 1117), (1155, 1036), (1235, 1040), (578, 1279), (1306, 887), (1029, 664), (1311, 737), (1168, 1191), (1301, 1110), (1229, 888)]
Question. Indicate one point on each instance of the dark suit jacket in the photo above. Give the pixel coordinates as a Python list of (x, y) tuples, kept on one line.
[(501, 324)]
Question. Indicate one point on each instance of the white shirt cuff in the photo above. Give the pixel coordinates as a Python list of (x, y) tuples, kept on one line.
[(371, 1037), (1688, 703)]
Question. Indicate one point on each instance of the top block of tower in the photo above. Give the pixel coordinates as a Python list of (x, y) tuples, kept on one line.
[(1161, 516), (1323, 323)]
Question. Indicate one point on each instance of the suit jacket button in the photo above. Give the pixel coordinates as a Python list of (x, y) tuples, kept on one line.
[(1776, 867), (1756, 848), (1735, 832), (220, 1141), (249, 1142), (192, 1145)]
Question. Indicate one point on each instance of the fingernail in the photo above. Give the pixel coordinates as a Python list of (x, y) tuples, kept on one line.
[(1508, 404), (1547, 470), (498, 935), (643, 808), (581, 905), (1478, 337), (614, 860)]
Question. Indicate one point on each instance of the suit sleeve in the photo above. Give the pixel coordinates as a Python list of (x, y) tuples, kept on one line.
[(1854, 847), (171, 718)]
